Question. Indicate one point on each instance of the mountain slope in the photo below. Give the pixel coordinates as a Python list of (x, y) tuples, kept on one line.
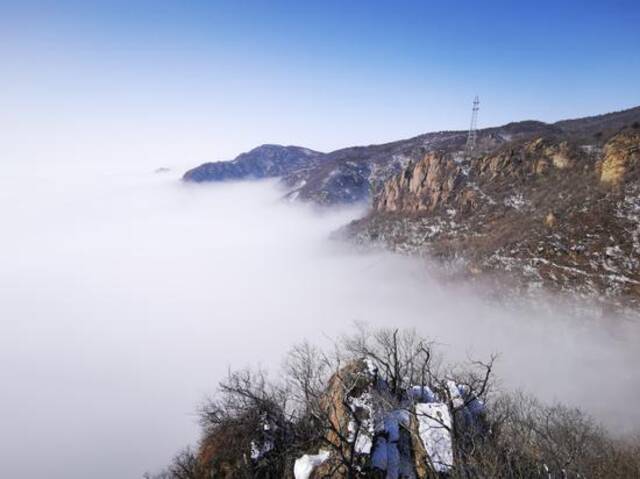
[(353, 174), (546, 205), (546, 211), (266, 161)]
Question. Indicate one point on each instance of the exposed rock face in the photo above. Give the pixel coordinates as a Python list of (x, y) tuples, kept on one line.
[(423, 186), (541, 210), (621, 155), (407, 438), (349, 175), (443, 180), (352, 381)]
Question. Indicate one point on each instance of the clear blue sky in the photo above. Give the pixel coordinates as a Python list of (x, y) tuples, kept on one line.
[(214, 78)]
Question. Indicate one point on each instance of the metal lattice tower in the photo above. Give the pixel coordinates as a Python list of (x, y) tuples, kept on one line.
[(473, 128)]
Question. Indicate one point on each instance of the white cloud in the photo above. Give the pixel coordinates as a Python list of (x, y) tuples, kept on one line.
[(125, 295)]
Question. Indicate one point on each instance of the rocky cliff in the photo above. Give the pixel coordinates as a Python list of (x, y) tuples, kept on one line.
[(547, 211)]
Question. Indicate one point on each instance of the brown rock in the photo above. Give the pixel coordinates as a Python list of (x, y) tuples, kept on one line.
[(423, 186), (550, 220), (621, 154)]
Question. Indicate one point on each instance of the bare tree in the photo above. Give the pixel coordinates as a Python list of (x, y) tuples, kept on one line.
[(185, 465), (340, 401)]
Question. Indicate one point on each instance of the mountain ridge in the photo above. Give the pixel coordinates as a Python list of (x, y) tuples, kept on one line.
[(264, 161), (352, 174)]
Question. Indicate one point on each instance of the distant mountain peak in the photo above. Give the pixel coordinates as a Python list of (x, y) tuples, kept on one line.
[(264, 161)]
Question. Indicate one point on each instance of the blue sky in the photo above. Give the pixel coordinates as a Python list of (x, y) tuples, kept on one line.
[(209, 79)]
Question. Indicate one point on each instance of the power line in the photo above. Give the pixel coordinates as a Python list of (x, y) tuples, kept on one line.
[(473, 128)]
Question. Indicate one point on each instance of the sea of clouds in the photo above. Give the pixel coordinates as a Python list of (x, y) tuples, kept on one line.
[(125, 295)]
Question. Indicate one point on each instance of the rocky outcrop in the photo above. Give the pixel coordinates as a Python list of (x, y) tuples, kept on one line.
[(621, 156), (397, 415), (545, 212), (407, 435), (444, 180), (522, 160), (425, 185)]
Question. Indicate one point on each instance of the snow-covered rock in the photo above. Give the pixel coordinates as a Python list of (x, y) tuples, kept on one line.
[(305, 465), (434, 428)]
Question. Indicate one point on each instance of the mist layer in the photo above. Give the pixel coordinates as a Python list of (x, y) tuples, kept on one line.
[(126, 295)]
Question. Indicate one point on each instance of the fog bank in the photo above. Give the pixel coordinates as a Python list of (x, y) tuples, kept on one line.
[(125, 295)]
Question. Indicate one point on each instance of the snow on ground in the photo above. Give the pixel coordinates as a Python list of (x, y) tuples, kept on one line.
[(363, 432), (305, 465), (515, 201)]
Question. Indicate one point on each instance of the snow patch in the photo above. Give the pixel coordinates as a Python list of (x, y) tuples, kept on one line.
[(434, 429), (363, 431), (305, 465), (515, 201)]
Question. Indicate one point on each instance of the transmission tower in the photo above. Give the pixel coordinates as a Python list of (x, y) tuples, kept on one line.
[(473, 128)]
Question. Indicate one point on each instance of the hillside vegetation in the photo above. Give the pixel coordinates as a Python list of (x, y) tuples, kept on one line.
[(384, 404), (535, 205)]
